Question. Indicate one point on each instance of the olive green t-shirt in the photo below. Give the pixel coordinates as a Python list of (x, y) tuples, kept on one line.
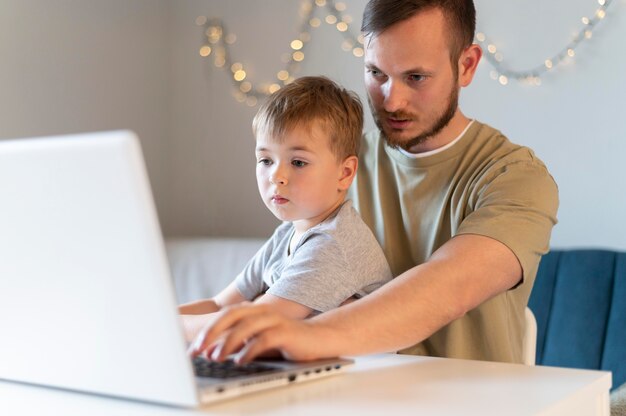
[(482, 184)]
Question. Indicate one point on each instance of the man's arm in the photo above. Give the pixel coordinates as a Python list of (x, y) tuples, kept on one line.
[(465, 272), (197, 315)]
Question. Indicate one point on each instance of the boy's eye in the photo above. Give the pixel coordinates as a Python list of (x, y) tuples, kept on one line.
[(299, 163), (265, 162)]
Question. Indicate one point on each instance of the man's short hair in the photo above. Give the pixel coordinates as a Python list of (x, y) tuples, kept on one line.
[(459, 14), (308, 100)]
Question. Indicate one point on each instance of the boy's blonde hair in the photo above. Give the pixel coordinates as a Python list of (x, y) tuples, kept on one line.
[(314, 99)]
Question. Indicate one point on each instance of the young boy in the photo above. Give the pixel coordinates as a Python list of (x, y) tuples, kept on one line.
[(307, 140)]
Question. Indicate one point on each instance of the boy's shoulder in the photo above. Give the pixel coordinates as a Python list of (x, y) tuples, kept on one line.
[(345, 226)]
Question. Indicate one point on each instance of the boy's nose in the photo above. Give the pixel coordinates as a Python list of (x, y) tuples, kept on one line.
[(278, 178)]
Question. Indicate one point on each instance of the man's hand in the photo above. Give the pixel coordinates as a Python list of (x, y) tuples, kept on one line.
[(252, 329)]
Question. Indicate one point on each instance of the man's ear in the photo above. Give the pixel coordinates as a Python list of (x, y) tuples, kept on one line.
[(468, 62), (347, 172)]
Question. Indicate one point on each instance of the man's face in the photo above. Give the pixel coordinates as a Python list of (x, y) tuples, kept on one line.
[(411, 85)]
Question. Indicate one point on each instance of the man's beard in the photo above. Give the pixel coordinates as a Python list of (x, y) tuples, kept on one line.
[(436, 126)]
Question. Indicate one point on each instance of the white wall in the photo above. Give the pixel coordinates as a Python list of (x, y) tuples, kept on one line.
[(574, 120), (82, 65)]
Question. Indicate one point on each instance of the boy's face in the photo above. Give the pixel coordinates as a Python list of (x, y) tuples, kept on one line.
[(299, 178)]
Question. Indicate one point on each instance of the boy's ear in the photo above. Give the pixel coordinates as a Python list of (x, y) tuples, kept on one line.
[(347, 172)]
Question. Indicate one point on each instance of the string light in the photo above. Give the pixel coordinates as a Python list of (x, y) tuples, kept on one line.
[(503, 74), (218, 41)]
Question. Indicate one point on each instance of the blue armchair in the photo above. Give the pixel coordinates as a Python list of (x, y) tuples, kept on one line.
[(579, 302)]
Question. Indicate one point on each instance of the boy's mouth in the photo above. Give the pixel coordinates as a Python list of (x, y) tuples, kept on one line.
[(277, 199)]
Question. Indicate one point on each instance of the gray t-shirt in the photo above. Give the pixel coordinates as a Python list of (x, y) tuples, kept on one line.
[(333, 261)]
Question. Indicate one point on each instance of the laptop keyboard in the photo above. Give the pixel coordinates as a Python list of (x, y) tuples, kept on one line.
[(228, 369)]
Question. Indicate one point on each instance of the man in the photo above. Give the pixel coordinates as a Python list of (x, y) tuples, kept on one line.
[(463, 214)]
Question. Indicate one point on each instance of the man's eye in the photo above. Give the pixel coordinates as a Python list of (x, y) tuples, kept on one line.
[(299, 163), (416, 77)]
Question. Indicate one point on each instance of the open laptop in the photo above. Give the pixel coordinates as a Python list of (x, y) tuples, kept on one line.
[(86, 297)]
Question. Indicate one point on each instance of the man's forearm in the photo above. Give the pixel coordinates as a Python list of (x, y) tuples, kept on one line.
[(464, 273)]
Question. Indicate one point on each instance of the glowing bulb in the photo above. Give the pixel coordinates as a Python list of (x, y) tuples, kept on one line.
[(571, 53), (503, 80), (296, 44), (601, 2), (585, 20), (588, 34), (498, 57), (273, 88), (214, 33), (205, 51), (236, 67), (340, 7), (358, 52), (315, 22), (347, 18), (491, 48), (480, 37), (493, 75), (251, 101), (298, 56), (320, 3), (548, 63), (230, 38), (347, 45), (245, 86), (361, 39), (282, 75), (201, 20), (240, 75), (601, 14), (342, 26), (331, 19)]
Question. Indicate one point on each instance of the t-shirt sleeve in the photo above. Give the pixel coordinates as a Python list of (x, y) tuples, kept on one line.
[(317, 276), (250, 281), (516, 204)]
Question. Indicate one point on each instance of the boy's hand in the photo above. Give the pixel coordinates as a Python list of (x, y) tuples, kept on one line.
[(194, 324), (252, 329)]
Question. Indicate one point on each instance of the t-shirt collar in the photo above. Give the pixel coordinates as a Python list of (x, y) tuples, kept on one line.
[(438, 150)]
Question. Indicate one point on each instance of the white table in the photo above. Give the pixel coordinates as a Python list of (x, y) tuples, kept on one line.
[(377, 385)]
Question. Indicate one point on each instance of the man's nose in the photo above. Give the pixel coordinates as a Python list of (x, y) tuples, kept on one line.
[(395, 96)]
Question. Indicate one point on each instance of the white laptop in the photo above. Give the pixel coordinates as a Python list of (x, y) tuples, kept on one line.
[(86, 297)]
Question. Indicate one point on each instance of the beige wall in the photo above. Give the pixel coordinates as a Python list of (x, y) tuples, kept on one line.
[(69, 66)]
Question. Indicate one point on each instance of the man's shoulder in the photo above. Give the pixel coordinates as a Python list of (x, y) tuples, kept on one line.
[(491, 143)]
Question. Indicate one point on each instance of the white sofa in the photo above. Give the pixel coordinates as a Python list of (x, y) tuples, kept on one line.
[(201, 267)]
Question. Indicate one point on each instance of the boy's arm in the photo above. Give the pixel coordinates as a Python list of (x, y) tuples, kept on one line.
[(197, 315), (286, 307), (228, 296)]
